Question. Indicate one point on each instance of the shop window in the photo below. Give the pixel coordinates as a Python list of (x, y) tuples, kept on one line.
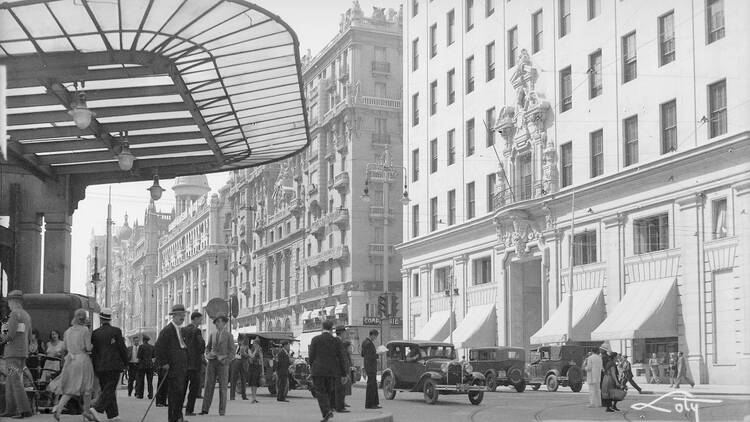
[(482, 271), (719, 212)]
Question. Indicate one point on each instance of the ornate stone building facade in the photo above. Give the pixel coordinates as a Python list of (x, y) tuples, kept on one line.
[(601, 154), (305, 247)]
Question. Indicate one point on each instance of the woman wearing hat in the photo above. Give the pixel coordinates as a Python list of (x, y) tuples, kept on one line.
[(77, 377), (255, 368), (610, 383)]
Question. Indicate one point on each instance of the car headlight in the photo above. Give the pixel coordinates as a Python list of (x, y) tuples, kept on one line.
[(444, 367), (468, 368)]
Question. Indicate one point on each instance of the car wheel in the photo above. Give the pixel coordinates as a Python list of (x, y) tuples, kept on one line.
[(552, 383), (491, 381), (521, 386), (535, 387), (476, 397), (389, 391), (576, 387), (429, 388), (515, 375)]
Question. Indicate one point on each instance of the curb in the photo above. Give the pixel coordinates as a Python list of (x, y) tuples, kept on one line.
[(385, 417)]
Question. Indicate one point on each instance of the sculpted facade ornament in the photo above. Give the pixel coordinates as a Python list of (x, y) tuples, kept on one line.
[(516, 229)]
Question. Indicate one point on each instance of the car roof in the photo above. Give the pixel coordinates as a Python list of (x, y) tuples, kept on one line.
[(420, 343), (272, 335), (498, 348)]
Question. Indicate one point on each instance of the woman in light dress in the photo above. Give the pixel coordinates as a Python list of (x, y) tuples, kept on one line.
[(55, 351), (77, 378)]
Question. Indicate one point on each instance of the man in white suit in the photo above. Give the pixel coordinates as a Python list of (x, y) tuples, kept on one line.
[(594, 369)]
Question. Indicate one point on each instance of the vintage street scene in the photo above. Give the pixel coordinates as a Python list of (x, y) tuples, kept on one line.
[(374, 210)]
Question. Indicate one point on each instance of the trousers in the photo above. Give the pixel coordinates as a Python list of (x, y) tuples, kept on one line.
[(371, 395), (239, 375), (144, 374), (216, 370), (16, 400), (595, 394), (325, 389), (282, 386), (161, 392), (108, 398), (192, 387), (132, 376), (175, 393)]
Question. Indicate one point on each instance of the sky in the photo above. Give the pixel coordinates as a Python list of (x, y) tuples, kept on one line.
[(315, 22)]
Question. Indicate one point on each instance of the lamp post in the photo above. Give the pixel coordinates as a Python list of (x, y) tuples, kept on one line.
[(385, 172)]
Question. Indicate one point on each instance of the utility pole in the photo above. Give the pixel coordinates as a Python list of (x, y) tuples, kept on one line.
[(108, 272)]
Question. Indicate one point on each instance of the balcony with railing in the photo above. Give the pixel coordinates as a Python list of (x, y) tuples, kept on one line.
[(378, 102), (377, 212), (381, 139), (312, 189), (338, 253), (318, 227), (341, 181), (376, 250), (340, 217), (381, 67), (522, 192)]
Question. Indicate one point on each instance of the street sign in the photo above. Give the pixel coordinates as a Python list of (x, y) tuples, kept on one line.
[(369, 320), (396, 321)]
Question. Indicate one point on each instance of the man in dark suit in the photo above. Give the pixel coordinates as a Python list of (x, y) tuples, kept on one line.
[(337, 400), (145, 369), (369, 352), (171, 352), (196, 346), (109, 356), (133, 365), (326, 363), (282, 371)]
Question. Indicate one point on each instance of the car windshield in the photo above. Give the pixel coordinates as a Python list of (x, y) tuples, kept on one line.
[(438, 352)]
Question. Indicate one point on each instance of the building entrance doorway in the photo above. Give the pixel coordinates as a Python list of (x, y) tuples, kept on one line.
[(524, 301)]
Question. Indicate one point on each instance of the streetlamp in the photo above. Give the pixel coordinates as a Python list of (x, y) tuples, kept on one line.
[(95, 278), (383, 171)]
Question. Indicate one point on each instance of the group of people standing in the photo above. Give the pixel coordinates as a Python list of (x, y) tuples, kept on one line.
[(676, 369)]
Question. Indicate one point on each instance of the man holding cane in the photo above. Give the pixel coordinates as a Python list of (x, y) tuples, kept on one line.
[(171, 352)]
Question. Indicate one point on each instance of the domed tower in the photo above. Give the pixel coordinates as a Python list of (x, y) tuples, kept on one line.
[(188, 189), (125, 231)]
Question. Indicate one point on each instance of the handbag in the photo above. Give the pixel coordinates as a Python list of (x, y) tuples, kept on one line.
[(617, 394)]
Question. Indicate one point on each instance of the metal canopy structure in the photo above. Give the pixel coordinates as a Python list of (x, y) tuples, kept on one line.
[(194, 86)]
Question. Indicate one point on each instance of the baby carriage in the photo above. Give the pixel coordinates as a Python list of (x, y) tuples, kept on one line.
[(42, 370)]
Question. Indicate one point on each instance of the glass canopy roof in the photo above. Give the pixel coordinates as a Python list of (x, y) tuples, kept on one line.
[(194, 86)]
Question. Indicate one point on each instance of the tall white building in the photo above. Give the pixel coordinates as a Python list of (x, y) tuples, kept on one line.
[(633, 117)]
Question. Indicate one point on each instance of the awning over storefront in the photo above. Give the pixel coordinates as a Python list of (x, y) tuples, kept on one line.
[(305, 315), (477, 329), (328, 310), (648, 309), (316, 313), (250, 329), (341, 308), (588, 313), (436, 328), (304, 342)]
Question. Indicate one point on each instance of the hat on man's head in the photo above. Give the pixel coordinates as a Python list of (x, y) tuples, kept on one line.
[(105, 314), (340, 329), (146, 337), (195, 315), (15, 294), (221, 315), (177, 309)]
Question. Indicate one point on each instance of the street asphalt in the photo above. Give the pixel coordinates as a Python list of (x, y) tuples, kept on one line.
[(503, 405)]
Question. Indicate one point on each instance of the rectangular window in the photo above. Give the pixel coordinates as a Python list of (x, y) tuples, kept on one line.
[(482, 270), (666, 39), (433, 97), (451, 207), (470, 201), (719, 214), (566, 163), (490, 124), (595, 74), (564, 17), (537, 27), (433, 214), (668, 112), (415, 220), (415, 285), (415, 165), (415, 54), (451, 144), (512, 46), (596, 142), (584, 248), (433, 156), (489, 7), (381, 54), (451, 86), (381, 90), (469, 15), (470, 74), (470, 137), (717, 108), (525, 178), (414, 7), (594, 8), (433, 40), (415, 109), (491, 182), (651, 234), (630, 132), (566, 90), (450, 26), (714, 20), (629, 58), (490, 56), (441, 280)]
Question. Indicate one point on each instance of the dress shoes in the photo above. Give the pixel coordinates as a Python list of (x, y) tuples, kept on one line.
[(189, 413), (327, 417), (343, 411), (203, 413), (374, 407)]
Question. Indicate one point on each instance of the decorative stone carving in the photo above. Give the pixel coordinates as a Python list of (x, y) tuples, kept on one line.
[(516, 229)]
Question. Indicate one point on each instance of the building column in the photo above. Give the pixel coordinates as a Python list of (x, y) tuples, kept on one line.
[(460, 282), (425, 284), (501, 310), (57, 244), (688, 215), (29, 241), (741, 212), (613, 253), (406, 302)]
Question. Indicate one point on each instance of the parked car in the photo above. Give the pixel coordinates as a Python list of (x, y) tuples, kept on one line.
[(555, 366), (501, 366), (430, 368), (270, 343)]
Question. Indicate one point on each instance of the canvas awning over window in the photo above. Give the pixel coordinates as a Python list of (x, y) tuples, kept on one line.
[(648, 309), (341, 308), (588, 313), (305, 315), (304, 342), (477, 329), (199, 86), (328, 310), (436, 329)]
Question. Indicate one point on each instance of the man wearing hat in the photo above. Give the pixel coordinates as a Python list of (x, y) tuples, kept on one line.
[(219, 352), (109, 356), (196, 346), (171, 352), (145, 368), (16, 341), (282, 371)]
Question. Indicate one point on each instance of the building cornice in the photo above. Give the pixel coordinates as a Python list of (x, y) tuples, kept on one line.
[(463, 230)]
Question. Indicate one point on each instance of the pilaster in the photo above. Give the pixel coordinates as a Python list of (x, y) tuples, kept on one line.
[(741, 214), (460, 282), (57, 245), (29, 245), (501, 298), (406, 302), (613, 254)]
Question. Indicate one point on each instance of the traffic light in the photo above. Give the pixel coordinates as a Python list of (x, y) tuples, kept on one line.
[(394, 305), (383, 306)]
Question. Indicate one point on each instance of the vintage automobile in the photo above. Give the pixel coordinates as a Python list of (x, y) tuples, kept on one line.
[(501, 366), (555, 366), (430, 368), (299, 370)]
